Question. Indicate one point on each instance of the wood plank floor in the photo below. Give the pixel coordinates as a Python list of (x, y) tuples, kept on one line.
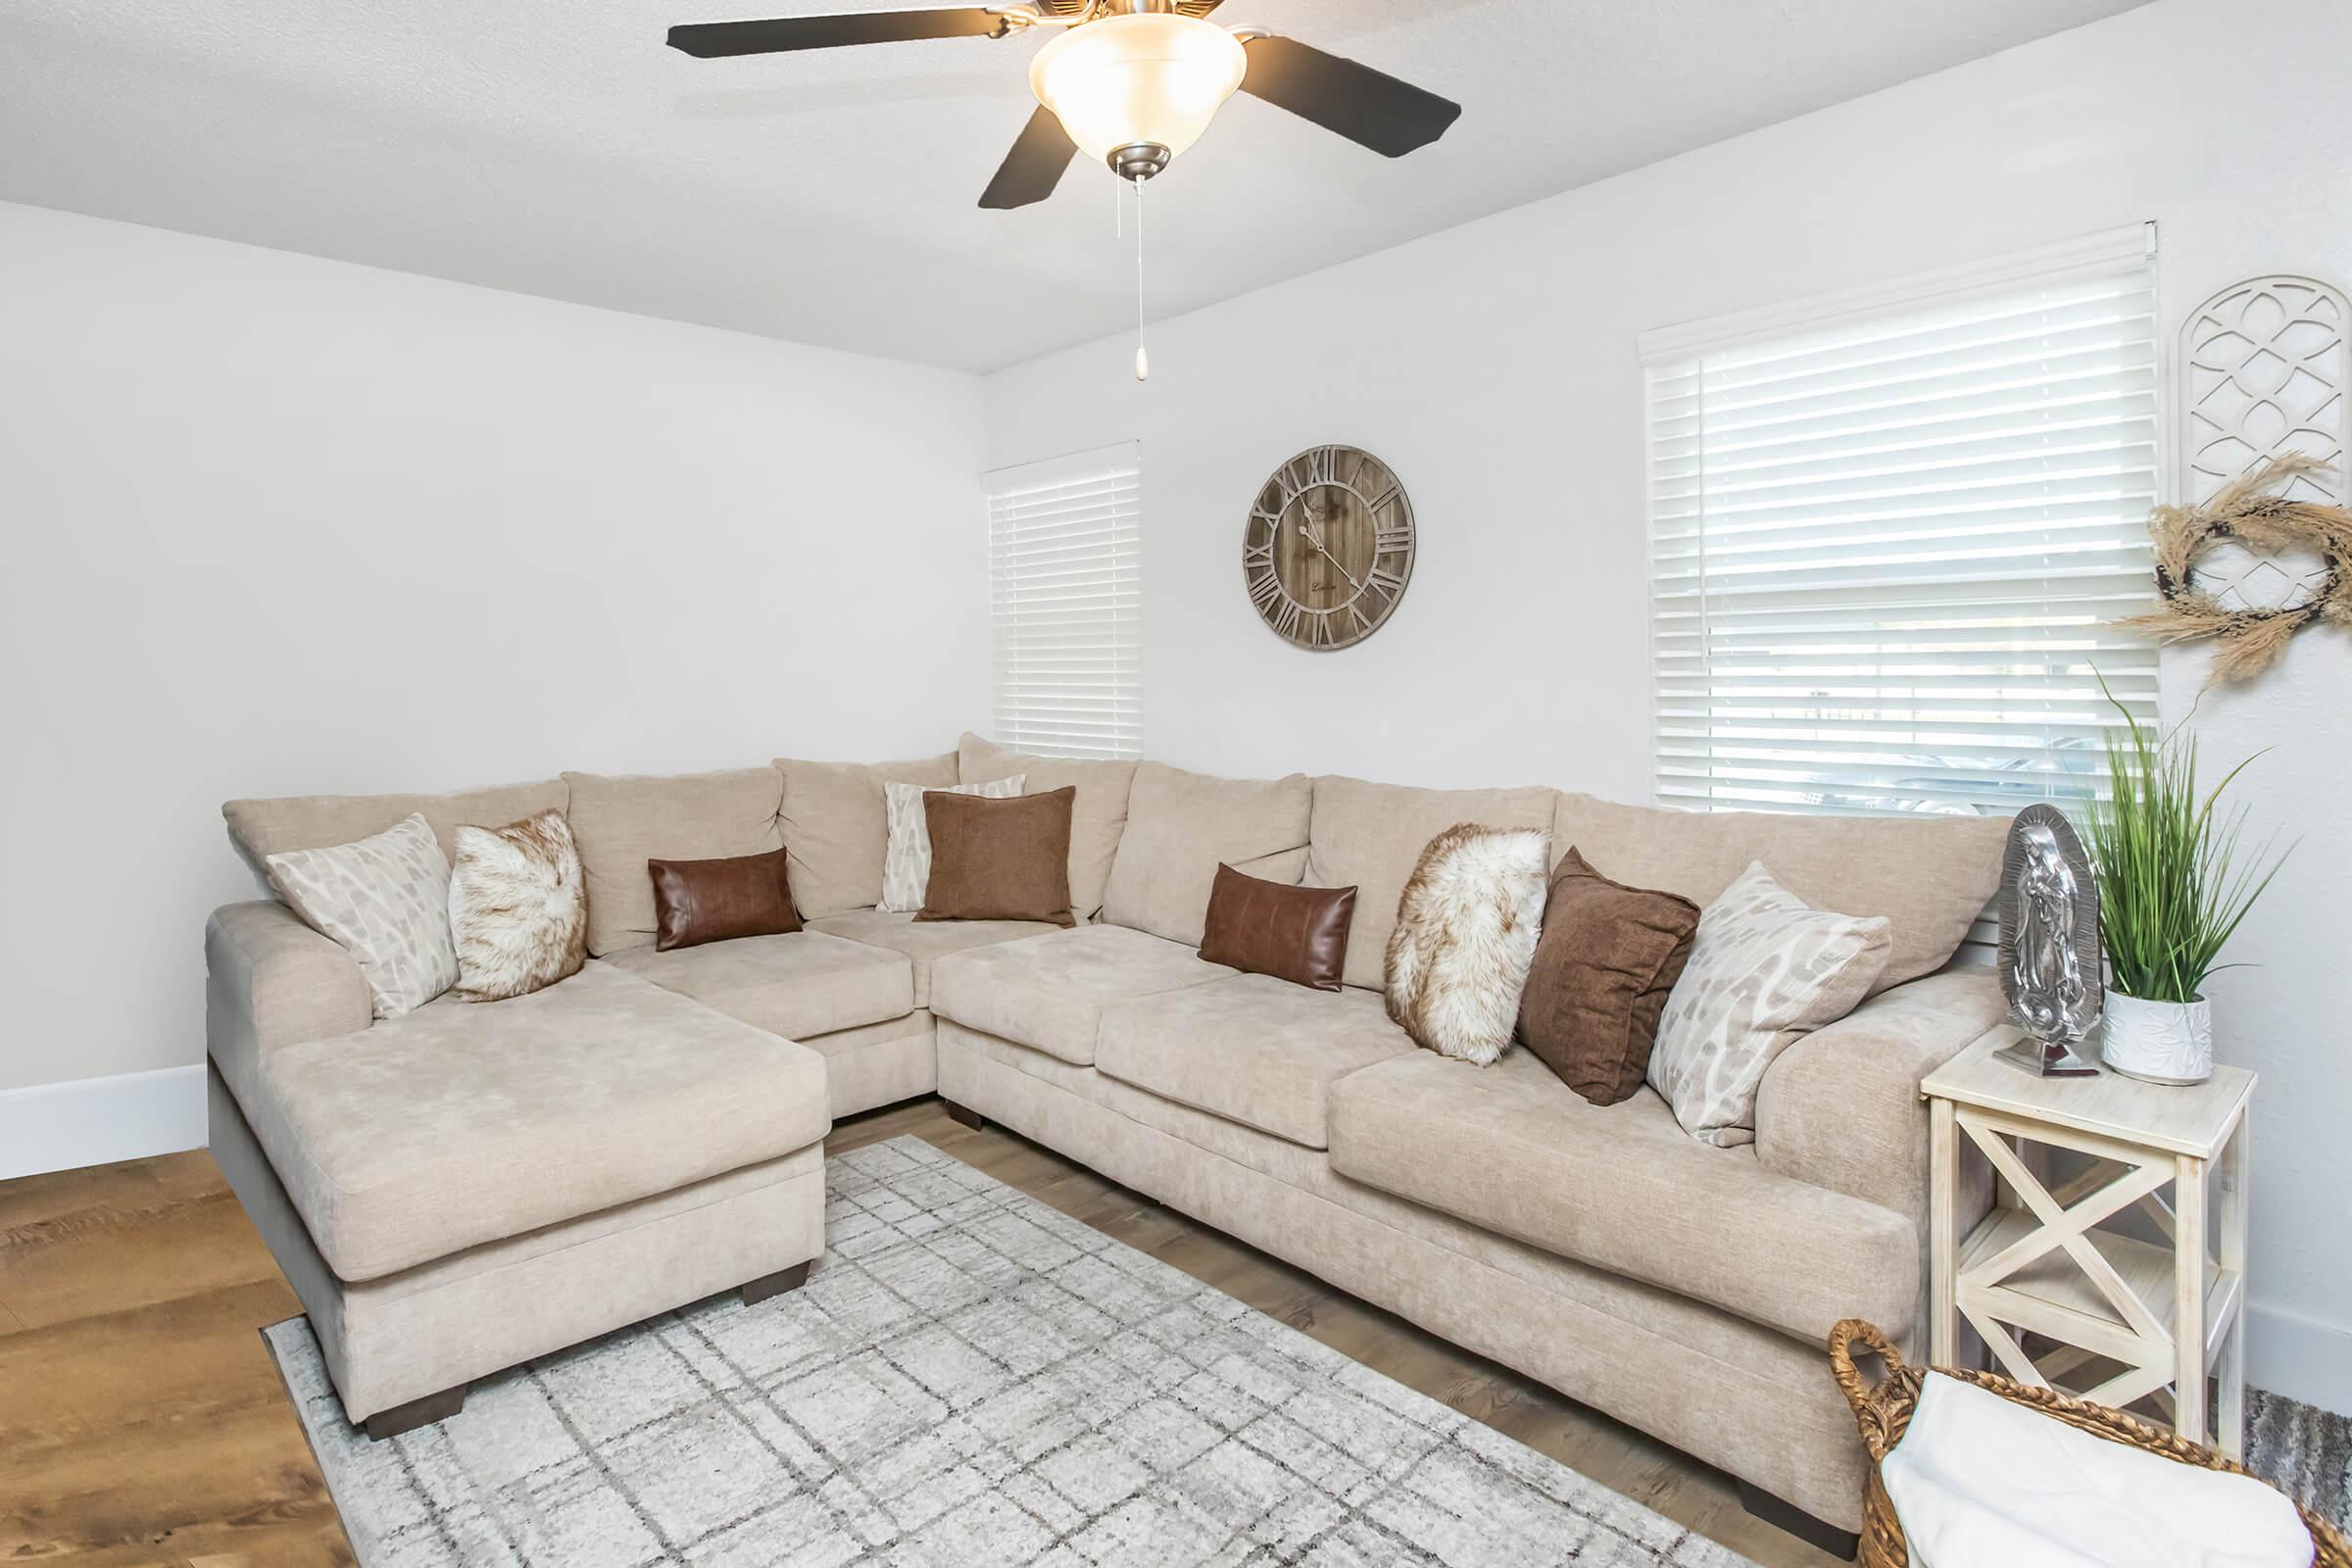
[(142, 1422)]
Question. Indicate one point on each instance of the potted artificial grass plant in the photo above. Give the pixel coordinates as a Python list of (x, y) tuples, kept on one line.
[(2173, 886)]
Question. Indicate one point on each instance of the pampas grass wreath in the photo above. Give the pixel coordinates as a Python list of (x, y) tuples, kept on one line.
[(2250, 510), (1465, 936)]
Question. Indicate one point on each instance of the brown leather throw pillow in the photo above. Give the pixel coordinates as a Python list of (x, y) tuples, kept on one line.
[(1607, 959), (1292, 933), (716, 900), (998, 860)]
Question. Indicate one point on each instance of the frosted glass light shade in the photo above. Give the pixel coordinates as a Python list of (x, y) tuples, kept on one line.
[(1154, 76)]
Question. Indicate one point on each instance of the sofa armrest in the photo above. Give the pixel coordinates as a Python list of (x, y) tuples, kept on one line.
[(1840, 1108), (270, 981)]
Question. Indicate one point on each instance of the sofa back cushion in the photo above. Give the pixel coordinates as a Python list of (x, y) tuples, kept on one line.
[(622, 822), (1096, 819), (264, 828), (1370, 837), (1181, 826), (1930, 877), (837, 828)]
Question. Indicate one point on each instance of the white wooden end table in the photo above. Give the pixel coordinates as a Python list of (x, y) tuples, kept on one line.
[(2044, 1263)]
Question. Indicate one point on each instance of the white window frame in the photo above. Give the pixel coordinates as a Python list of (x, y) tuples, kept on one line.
[(1065, 542), (1876, 757)]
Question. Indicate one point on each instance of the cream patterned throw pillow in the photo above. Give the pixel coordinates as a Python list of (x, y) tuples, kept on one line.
[(907, 860), (1465, 936), (518, 908), (1765, 968), (386, 900)]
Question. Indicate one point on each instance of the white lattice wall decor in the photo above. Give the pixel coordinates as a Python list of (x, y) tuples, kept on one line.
[(2266, 369)]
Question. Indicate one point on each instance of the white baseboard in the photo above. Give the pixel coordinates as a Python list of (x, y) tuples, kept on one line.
[(95, 1121), (2300, 1356)]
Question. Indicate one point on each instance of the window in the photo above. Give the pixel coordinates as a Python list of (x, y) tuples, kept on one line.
[(1065, 591), (1888, 532)]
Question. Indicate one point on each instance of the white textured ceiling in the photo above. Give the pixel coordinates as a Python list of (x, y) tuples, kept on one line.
[(558, 149)]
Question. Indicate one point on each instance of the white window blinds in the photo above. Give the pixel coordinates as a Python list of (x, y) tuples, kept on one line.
[(1066, 590), (1888, 531)]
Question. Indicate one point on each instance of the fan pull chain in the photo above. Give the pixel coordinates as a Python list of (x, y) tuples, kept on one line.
[(1143, 359)]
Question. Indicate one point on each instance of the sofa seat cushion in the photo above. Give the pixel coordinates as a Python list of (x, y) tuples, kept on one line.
[(799, 985), (465, 1123), (927, 942), (1049, 993), (879, 1064), (1251, 1048), (1512, 1149)]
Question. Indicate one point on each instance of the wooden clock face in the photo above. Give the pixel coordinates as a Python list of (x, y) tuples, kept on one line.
[(1329, 548)]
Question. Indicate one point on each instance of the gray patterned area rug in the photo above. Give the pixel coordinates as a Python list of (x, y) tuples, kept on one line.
[(2303, 1451), (970, 1378)]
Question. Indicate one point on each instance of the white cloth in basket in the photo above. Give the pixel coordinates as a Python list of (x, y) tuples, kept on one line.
[(1979, 1481)]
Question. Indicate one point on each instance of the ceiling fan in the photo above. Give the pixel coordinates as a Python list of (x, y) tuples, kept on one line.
[(1131, 83)]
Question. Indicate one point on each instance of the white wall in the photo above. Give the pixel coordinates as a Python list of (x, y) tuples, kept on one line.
[(1493, 366), (276, 524)]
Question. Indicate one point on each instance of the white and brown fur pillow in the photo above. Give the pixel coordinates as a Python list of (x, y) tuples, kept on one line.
[(1465, 938), (518, 908)]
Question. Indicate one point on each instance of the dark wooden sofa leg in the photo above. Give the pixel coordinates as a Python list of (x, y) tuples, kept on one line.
[(766, 1285), (965, 1115), (416, 1413), (1798, 1523)]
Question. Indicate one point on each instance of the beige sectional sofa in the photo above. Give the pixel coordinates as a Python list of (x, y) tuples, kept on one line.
[(474, 1185)]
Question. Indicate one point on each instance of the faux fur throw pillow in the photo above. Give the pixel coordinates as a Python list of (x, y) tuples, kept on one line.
[(1466, 935), (518, 906)]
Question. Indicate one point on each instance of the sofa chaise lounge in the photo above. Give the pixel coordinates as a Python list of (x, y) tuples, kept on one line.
[(470, 1186)]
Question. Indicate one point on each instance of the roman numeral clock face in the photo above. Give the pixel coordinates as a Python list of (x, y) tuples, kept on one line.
[(1329, 548)]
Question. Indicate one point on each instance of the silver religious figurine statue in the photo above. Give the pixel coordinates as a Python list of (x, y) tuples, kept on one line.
[(2049, 959)]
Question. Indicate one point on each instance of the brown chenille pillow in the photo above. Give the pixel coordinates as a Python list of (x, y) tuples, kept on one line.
[(716, 900), (998, 860), (1292, 933), (1607, 958)]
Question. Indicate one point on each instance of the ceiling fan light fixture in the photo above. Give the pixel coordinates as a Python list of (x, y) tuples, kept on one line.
[(1136, 90)]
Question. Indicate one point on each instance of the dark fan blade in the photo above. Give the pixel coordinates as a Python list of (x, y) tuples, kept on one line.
[(713, 41), (1368, 107), (1034, 166), (1074, 10)]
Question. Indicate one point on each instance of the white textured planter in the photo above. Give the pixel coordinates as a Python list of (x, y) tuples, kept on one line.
[(2161, 1042)]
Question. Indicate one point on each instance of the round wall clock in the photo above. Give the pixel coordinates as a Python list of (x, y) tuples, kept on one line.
[(1329, 548)]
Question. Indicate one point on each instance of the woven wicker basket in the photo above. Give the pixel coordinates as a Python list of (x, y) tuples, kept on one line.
[(1883, 1412)]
